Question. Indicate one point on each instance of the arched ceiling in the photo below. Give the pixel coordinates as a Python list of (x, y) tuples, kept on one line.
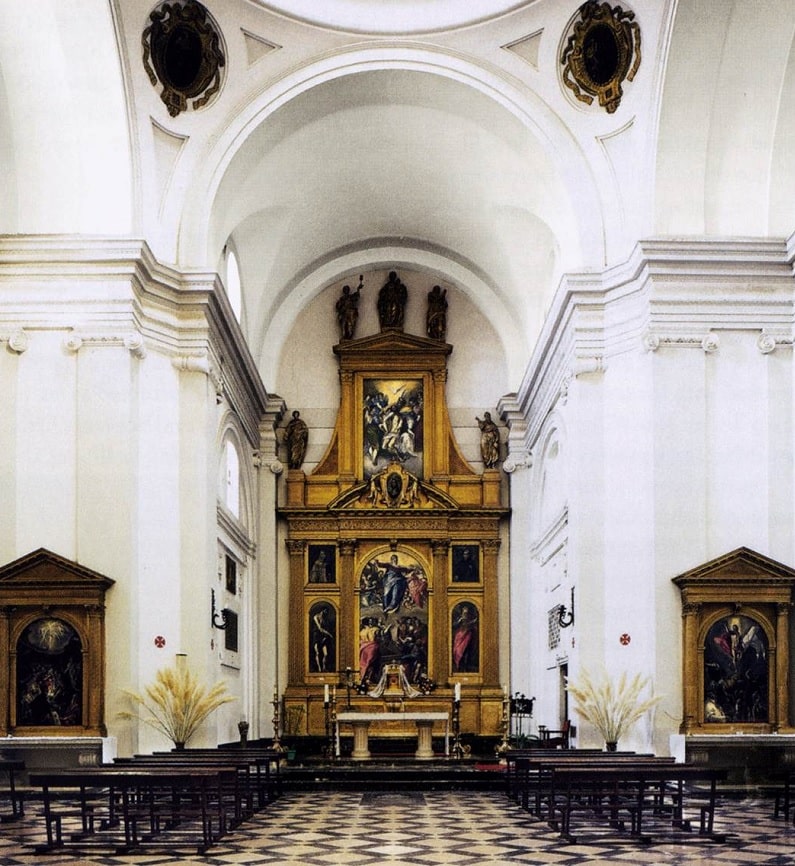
[(412, 160), (399, 16), (437, 135)]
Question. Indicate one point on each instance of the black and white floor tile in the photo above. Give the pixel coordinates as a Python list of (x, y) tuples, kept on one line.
[(429, 829)]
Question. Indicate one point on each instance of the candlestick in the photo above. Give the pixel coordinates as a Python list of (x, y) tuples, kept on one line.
[(277, 745), (325, 694), (457, 752), (457, 692)]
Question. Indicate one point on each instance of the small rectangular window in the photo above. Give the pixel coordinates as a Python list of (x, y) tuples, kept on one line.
[(231, 575)]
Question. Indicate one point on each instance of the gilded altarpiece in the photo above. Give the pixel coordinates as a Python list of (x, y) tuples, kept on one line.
[(52, 647), (735, 650), (410, 536)]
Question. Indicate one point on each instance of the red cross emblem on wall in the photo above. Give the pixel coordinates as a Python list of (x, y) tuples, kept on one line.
[(160, 641), (624, 639)]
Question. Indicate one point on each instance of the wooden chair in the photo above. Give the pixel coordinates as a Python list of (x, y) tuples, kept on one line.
[(554, 739)]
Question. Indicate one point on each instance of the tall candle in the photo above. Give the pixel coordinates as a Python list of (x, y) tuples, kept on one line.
[(325, 693), (457, 692)]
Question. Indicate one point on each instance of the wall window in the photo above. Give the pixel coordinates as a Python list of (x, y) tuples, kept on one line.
[(233, 287), (231, 493)]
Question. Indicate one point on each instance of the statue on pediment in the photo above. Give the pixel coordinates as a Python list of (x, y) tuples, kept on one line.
[(436, 321), (348, 310), (392, 303)]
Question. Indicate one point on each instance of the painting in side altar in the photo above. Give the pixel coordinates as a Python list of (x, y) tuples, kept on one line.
[(49, 674), (736, 671), (393, 414), (393, 617)]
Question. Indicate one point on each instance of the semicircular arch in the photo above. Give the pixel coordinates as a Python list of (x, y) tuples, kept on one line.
[(197, 213)]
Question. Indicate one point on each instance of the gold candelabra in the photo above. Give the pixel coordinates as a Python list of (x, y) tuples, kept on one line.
[(457, 751), (505, 724), (277, 745), (330, 716)]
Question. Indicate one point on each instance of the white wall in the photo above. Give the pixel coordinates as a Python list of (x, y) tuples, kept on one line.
[(674, 386)]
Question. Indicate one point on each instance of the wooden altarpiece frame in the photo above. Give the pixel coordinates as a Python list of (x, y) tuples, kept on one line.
[(736, 608), (409, 510), (52, 647)]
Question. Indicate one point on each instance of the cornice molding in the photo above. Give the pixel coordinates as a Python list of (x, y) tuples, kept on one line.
[(126, 298), (670, 292)]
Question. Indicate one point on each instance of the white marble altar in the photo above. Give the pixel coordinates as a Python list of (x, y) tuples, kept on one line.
[(424, 721)]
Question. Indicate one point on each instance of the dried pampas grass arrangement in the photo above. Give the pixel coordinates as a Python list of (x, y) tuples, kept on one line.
[(612, 707), (176, 703)]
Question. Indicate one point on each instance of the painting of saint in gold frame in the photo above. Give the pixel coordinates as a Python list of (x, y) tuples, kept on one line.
[(466, 563), (322, 563), (393, 430), (465, 631), (322, 638)]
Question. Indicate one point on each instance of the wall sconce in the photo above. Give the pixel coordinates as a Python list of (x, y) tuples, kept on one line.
[(566, 616), (214, 614)]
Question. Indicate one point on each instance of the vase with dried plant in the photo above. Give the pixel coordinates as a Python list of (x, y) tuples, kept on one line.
[(176, 703), (611, 706)]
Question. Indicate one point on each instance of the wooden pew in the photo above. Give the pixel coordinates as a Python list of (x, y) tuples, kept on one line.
[(265, 761), (782, 794), (529, 765), (643, 791), (247, 786), (114, 803), (516, 766), (10, 767)]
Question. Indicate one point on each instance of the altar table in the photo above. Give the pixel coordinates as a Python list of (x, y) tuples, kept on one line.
[(424, 721)]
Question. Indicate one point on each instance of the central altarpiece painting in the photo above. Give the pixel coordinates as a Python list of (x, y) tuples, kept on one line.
[(393, 541)]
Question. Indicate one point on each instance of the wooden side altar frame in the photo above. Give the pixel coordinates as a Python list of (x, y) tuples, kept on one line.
[(361, 731)]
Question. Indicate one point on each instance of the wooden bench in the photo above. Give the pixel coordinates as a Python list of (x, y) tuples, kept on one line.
[(265, 761), (642, 792), (517, 768), (531, 769), (781, 794), (123, 807), (10, 767), (250, 789)]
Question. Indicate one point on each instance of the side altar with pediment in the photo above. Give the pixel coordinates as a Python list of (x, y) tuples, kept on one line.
[(394, 542)]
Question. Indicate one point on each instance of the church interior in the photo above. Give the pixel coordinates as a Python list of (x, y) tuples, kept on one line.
[(388, 358)]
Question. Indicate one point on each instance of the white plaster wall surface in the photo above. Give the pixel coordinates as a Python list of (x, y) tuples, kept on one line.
[(71, 162)]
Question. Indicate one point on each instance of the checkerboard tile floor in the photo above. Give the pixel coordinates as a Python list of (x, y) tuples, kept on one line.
[(428, 829)]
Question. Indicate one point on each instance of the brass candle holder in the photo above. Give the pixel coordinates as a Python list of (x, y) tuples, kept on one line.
[(457, 752), (277, 745)]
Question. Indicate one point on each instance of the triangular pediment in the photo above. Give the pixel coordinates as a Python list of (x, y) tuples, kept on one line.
[(393, 489), (391, 342), (47, 569), (742, 565)]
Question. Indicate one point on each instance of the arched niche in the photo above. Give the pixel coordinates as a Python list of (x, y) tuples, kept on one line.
[(52, 647), (735, 650)]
